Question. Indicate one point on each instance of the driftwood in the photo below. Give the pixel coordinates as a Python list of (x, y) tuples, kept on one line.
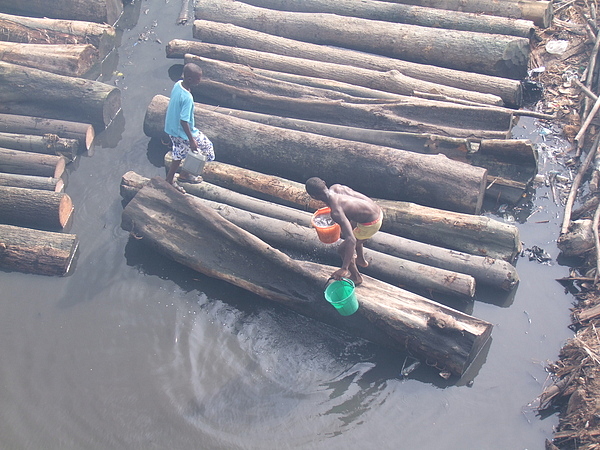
[(32, 182), (511, 91), (17, 124), (497, 55), (401, 13), (35, 251), (49, 144), (33, 30), (389, 173), (27, 163), (182, 228), (101, 11), (34, 208), (25, 89)]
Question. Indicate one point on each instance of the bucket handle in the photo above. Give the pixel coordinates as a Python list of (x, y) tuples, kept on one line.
[(347, 280)]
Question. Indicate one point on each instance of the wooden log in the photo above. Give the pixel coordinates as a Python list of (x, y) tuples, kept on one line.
[(33, 30), (39, 126), (391, 81), (73, 60), (389, 173), (410, 14), (27, 163), (511, 91), (27, 89), (49, 144), (182, 228), (34, 208), (32, 182), (35, 251), (100, 11), (490, 54)]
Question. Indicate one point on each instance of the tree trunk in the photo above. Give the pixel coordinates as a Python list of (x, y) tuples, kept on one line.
[(400, 13), (34, 208), (40, 126), (72, 60), (391, 81), (388, 173), (490, 54), (182, 228), (49, 144), (72, 98), (101, 11), (32, 182), (33, 30), (34, 251), (27, 163), (511, 91)]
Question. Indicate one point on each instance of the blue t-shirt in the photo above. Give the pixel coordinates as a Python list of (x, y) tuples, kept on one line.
[(181, 107)]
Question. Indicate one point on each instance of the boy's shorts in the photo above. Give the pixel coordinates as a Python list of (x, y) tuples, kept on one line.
[(365, 231), (181, 147)]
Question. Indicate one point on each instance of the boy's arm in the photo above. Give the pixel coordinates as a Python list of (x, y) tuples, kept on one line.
[(348, 246), (188, 132)]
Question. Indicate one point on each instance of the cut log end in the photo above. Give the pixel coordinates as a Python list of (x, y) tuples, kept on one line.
[(65, 210), (112, 106), (60, 167)]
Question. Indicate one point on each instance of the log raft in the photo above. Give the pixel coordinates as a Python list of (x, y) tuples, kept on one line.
[(183, 229)]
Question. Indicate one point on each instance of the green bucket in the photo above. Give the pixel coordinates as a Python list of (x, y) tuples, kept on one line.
[(341, 295)]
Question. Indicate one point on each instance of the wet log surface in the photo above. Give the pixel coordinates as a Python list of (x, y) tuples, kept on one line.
[(32, 182), (101, 11), (27, 163), (50, 144)]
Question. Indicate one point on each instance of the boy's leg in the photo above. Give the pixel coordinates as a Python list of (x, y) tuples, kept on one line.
[(172, 170), (360, 255)]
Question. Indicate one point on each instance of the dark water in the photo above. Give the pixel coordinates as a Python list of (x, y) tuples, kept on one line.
[(133, 351)]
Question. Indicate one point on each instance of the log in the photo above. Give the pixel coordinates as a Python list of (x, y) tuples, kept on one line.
[(26, 89), (49, 144), (35, 251), (100, 11), (182, 228), (511, 91), (391, 81), (84, 133), (489, 54), (33, 30), (26, 163), (72, 60), (34, 208), (388, 173), (32, 182), (410, 14)]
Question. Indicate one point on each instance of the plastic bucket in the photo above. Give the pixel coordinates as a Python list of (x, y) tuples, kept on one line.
[(328, 234), (341, 295), (194, 163)]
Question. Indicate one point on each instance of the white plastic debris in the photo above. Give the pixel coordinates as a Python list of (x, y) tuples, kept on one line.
[(556, 47)]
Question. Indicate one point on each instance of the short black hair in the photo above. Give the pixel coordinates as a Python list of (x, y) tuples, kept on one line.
[(315, 187)]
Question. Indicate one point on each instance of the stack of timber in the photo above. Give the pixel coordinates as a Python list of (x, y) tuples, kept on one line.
[(194, 234)]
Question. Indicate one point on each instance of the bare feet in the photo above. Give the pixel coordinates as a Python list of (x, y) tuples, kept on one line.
[(362, 262), (357, 279)]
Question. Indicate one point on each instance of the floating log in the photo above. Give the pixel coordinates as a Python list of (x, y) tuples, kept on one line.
[(490, 54), (23, 89), (511, 91), (49, 144), (73, 60), (33, 30), (35, 251), (34, 208), (27, 163), (410, 14), (101, 11), (182, 228), (391, 81), (19, 124), (389, 173), (32, 182)]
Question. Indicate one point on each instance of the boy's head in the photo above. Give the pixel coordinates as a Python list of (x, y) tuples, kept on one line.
[(316, 188), (192, 74)]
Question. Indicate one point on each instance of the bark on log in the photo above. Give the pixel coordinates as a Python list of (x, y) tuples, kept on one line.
[(72, 60), (100, 11), (49, 144), (39, 126), (34, 208), (391, 81), (34, 251), (511, 91), (389, 173), (32, 182), (24, 88), (401, 13), (490, 54), (26, 163), (33, 30), (180, 227)]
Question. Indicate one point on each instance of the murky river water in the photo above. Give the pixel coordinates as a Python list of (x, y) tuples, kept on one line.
[(133, 351)]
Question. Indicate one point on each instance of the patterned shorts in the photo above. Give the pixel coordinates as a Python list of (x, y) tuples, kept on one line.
[(181, 147)]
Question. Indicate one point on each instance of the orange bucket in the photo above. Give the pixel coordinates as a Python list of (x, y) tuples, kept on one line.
[(327, 234)]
